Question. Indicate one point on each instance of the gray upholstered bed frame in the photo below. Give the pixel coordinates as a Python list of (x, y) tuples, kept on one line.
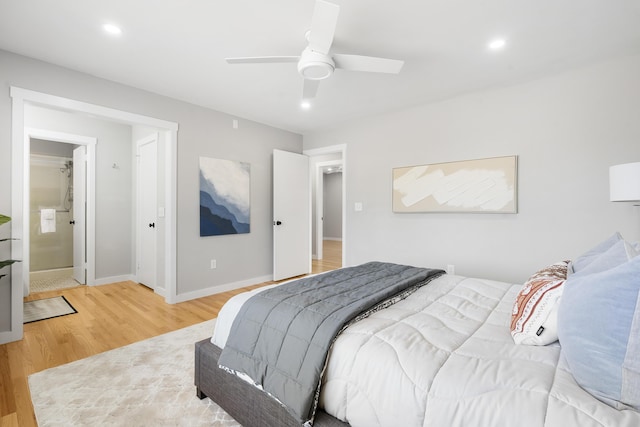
[(246, 404)]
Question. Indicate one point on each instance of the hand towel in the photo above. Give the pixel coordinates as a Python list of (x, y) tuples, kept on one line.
[(48, 220)]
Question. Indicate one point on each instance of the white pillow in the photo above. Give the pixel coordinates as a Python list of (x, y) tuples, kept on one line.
[(535, 311)]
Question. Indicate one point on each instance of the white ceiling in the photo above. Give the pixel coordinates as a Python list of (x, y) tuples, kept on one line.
[(177, 48)]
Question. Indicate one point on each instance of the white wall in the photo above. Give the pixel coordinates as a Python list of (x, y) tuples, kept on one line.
[(202, 132), (566, 129)]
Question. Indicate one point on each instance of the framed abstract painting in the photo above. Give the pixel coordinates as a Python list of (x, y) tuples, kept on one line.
[(483, 185), (225, 197)]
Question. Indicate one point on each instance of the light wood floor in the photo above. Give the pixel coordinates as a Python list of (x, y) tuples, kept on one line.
[(109, 316), (331, 257)]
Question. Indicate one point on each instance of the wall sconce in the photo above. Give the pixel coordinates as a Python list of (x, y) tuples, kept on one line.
[(624, 182)]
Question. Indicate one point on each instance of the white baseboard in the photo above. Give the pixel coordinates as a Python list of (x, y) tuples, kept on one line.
[(221, 288), (114, 279), (9, 336)]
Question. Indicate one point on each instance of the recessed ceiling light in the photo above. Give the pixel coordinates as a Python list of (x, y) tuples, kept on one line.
[(497, 44), (305, 105), (112, 29)]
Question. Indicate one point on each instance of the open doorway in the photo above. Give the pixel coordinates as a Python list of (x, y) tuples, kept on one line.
[(57, 214), (59, 210), (332, 212), (328, 167), (328, 206), (112, 171)]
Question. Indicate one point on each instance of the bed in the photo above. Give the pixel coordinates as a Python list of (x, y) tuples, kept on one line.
[(446, 354)]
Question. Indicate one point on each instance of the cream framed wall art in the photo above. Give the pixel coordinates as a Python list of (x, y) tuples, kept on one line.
[(479, 186)]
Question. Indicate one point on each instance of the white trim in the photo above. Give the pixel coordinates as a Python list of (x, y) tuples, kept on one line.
[(18, 160), (19, 97), (342, 149), (222, 288), (114, 279), (159, 291), (319, 232), (9, 336), (97, 110), (170, 210)]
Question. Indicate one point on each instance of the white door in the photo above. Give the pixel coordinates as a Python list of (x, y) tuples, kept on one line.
[(79, 214), (147, 223), (291, 215)]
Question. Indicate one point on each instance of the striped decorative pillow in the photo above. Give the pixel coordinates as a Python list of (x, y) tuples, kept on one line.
[(534, 319)]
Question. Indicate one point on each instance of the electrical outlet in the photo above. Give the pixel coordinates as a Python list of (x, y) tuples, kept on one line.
[(451, 269), (214, 264)]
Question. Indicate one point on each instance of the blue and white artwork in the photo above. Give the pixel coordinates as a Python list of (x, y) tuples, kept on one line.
[(225, 197)]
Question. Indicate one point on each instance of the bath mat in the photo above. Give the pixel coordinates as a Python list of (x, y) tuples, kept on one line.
[(47, 308), (49, 280)]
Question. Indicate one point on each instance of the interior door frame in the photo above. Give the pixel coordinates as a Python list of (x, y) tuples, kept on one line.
[(342, 150), (20, 97), (90, 236), (320, 166)]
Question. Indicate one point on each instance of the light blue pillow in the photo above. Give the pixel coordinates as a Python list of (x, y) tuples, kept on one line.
[(619, 253), (599, 331), (586, 258)]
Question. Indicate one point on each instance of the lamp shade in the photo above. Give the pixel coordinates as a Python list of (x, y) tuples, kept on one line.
[(624, 182)]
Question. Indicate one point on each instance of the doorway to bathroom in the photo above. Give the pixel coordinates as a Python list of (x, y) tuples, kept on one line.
[(58, 210)]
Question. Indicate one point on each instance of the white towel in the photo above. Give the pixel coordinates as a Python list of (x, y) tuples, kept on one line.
[(48, 220)]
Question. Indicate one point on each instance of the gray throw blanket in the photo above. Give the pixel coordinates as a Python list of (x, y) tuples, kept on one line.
[(280, 337)]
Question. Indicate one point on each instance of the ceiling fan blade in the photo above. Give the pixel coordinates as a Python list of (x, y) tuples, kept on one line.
[(310, 88), (262, 59), (323, 26), (367, 63)]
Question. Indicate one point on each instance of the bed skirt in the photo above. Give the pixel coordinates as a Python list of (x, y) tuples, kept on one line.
[(246, 404)]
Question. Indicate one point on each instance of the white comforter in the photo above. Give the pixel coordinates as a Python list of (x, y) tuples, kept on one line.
[(445, 357)]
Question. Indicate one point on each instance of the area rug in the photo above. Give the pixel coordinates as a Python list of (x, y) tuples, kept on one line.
[(148, 383), (47, 308)]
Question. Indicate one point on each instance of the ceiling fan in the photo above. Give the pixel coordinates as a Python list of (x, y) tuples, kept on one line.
[(315, 63)]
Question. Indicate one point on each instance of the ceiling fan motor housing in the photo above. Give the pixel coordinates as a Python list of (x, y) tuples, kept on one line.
[(315, 65)]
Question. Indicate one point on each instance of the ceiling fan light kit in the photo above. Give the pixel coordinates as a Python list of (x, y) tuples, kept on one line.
[(315, 63)]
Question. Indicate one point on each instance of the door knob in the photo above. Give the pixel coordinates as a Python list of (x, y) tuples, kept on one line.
[(152, 225), (72, 222), (277, 222)]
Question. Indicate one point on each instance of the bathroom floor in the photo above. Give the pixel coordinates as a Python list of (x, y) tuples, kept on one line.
[(48, 280)]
